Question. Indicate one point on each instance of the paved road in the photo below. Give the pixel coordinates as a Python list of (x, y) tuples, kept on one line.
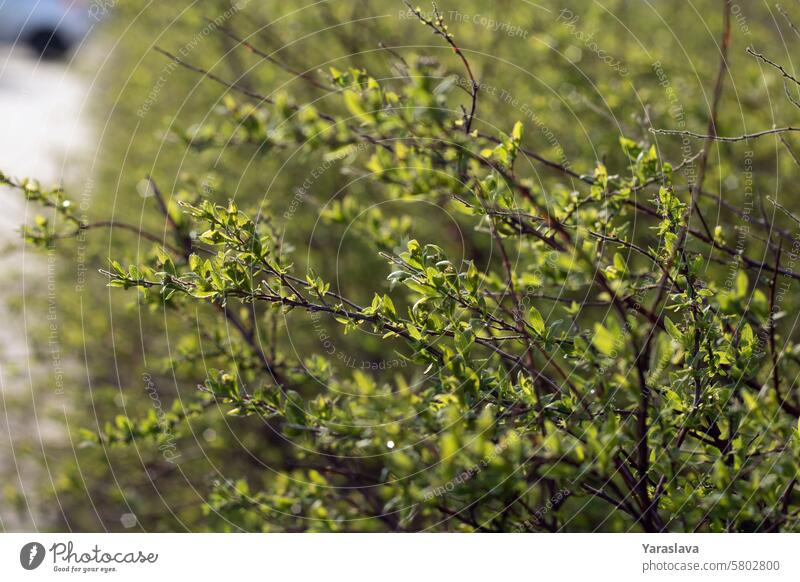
[(41, 129)]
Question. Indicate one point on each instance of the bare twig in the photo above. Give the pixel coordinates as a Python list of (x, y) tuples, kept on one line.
[(304, 75), (714, 137), (440, 29)]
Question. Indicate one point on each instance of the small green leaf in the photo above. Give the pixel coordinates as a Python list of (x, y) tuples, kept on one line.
[(536, 321), (352, 101), (619, 263), (741, 284), (673, 330), (604, 340), (746, 335), (516, 133)]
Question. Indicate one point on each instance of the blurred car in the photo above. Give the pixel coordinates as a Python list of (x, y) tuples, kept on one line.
[(50, 27)]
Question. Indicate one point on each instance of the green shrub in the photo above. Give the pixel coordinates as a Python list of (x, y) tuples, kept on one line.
[(497, 350)]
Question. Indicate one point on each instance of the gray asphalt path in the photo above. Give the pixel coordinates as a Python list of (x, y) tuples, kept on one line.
[(41, 128)]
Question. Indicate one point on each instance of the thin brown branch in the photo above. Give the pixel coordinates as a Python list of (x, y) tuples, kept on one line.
[(304, 75), (714, 137), (440, 29)]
